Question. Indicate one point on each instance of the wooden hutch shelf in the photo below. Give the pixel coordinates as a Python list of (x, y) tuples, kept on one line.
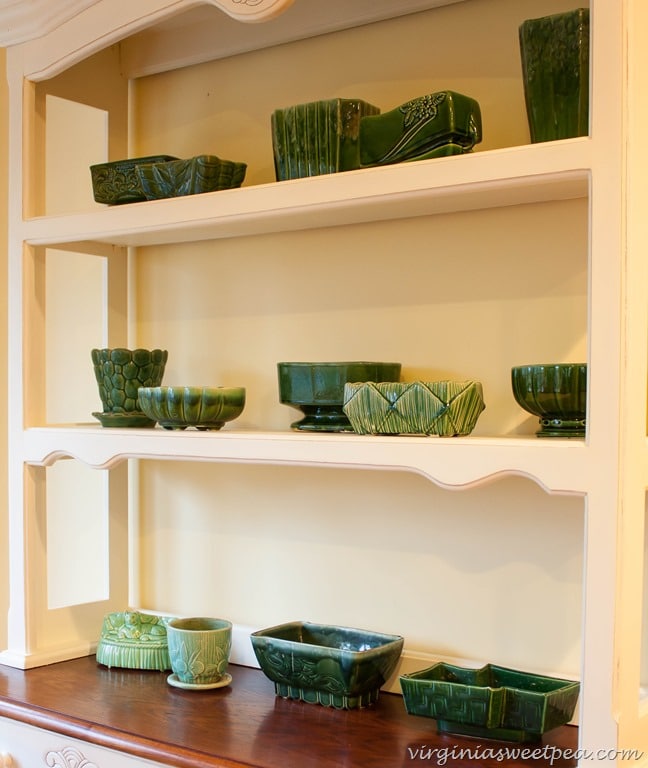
[(244, 725)]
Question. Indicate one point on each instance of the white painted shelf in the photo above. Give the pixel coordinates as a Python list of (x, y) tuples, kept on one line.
[(560, 466), (535, 173)]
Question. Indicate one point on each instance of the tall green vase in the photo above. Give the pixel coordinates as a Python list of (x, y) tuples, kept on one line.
[(555, 69)]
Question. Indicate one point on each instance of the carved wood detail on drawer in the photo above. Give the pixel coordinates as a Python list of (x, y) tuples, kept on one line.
[(68, 757)]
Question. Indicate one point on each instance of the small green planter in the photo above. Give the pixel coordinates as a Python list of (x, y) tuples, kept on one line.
[(120, 373)]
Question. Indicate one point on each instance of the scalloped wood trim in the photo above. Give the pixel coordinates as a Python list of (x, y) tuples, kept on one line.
[(20, 21), (253, 10)]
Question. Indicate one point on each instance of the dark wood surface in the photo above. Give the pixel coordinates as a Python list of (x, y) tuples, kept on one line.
[(244, 724)]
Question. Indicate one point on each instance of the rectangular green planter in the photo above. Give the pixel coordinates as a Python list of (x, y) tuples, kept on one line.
[(490, 702)]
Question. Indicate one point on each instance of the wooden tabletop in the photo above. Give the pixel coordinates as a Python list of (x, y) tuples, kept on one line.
[(244, 724)]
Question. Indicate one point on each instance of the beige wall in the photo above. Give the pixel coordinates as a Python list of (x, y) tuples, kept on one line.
[(3, 348), (492, 573)]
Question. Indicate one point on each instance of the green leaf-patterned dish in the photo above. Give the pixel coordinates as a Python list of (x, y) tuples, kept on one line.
[(118, 182), (443, 408), (176, 178)]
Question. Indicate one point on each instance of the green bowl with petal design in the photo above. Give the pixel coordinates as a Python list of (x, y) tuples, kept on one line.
[(200, 407)]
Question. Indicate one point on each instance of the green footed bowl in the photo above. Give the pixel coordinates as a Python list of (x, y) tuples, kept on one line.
[(556, 393), (317, 389), (200, 407)]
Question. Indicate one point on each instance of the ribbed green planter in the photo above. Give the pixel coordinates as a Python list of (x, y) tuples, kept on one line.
[(555, 68)]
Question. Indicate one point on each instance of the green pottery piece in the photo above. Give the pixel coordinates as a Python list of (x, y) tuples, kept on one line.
[(317, 389), (176, 178), (134, 640), (436, 125), (557, 393), (444, 408), (200, 407), (346, 134), (118, 182), (318, 137), (490, 702), (120, 373), (555, 68), (199, 649), (334, 666)]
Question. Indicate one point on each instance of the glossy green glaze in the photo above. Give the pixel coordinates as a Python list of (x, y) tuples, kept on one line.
[(555, 68), (134, 640), (347, 134), (120, 374), (118, 182), (317, 389), (334, 666), (199, 650), (176, 178), (439, 124), (200, 407), (444, 408), (318, 137), (490, 702), (556, 393)]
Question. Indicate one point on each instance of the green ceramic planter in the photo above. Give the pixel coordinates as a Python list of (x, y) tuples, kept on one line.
[(318, 137), (556, 393), (118, 182), (491, 702), (176, 178), (317, 389), (346, 134), (443, 408), (120, 373), (205, 408), (435, 125), (334, 666), (555, 69)]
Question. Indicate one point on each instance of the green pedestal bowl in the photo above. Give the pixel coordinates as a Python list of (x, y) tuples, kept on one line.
[(317, 389), (556, 393)]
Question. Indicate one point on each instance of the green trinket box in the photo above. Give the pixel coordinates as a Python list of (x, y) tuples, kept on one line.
[(134, 640)]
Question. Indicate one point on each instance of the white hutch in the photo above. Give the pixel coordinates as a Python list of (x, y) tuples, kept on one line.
[(314, 246)]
